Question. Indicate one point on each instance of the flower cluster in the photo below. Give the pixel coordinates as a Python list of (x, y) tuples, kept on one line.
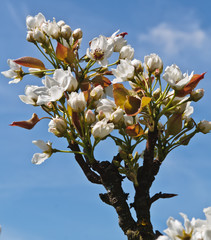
[(196, 229), (85, 106)]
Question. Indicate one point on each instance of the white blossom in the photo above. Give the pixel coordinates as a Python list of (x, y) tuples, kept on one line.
[(124, 71), (153, 62), (175, 78), (51, 29), (57, 126), (30, 97), (15, 72), (77, 101), (65, 79), (39, 158), (100, 49), (194, 229), (102, 128), (97, 92), (118, 41), (106, 106), (117, 116), (35, 22), (126, 52)]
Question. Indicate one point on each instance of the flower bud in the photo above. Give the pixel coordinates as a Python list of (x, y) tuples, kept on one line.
[(39, 36), (30, 36), (97, 92), (66, 31), (77, 34), (204, 126), (138, 65), (196, 95), (77, 101), (101, 129), (117, 116), (153, 62), (90, 117), (126, 52), (57, 126), (60, 23)]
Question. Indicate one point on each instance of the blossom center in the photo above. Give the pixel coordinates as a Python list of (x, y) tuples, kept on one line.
[(98, 54)]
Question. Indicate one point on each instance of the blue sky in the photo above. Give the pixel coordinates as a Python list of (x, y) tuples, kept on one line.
[(54, 200)]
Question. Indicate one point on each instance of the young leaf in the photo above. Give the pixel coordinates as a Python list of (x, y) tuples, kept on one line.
[(120, 94), (30, 62), (174, 124), (134, 130), (191, 85), (132, 105)]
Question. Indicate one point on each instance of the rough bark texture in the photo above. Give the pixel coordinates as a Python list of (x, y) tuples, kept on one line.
[(107, 174)]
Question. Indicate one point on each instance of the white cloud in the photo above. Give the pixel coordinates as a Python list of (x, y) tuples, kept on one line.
[(173, 39)]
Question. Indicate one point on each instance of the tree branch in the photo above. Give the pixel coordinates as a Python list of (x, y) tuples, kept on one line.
[(115, 196), (161, 195), (91, 175)]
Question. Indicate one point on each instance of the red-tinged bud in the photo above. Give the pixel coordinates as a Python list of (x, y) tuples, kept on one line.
[(28, 124)]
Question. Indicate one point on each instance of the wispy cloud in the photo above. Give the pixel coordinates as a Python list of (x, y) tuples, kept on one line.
[(17, 11), (179, 42), (173, 40)]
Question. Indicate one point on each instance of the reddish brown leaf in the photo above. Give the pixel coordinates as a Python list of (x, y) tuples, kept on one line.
[(101, 80), (191, 85), (30, 62), (134, 130), (28, 124), (132, 106), (65, 54), (120, 94)]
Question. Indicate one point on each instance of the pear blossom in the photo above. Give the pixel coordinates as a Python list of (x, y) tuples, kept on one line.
[(15, 72), (65, 79), (57, 126), (204, 126), (39, 158), (138, 65), (195, 229), (30, 97), (106, 106), (187, 110), (118, 41), (97, 92), (77, 34), (66, 31), (46, 95), (197, 94), (175, 78), (153, 62), (124, 71), (126, 52), (102, 128), (77, 101), (100, 49), (51, 29), (35, 22), (117, 116)]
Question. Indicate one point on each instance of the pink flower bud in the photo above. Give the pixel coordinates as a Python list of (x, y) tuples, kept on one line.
[(90, 117)]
